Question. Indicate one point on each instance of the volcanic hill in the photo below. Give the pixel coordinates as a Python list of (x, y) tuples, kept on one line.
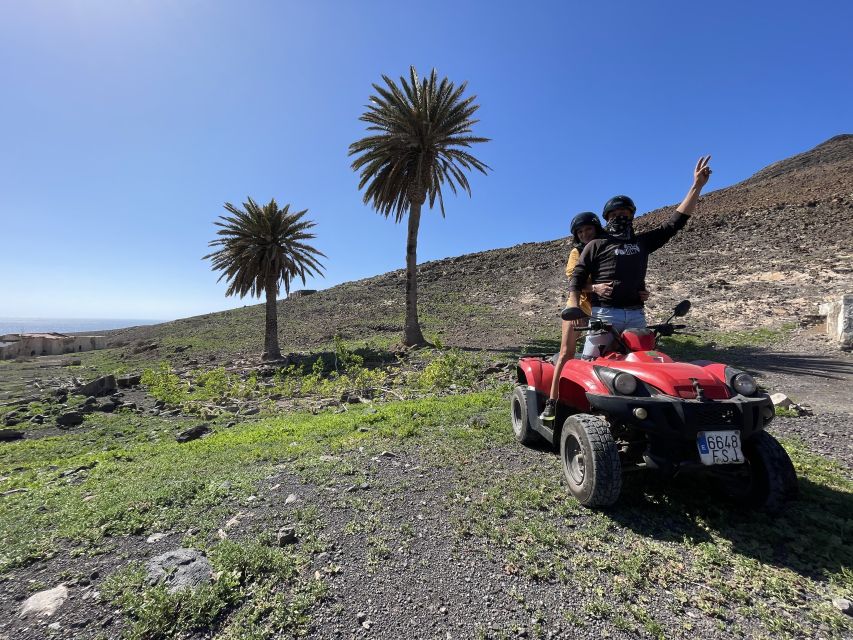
[(761, 253)]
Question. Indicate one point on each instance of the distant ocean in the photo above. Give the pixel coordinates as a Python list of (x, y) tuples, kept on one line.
[(67, 325)]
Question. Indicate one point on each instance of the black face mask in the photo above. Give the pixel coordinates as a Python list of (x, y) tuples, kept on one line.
[(621, 227)]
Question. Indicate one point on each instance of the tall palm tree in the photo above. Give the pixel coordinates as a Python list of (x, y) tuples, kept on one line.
[(262, 246), (423, 130)]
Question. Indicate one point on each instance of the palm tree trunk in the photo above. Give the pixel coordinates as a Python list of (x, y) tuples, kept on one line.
[(271, 349), (412, 335)]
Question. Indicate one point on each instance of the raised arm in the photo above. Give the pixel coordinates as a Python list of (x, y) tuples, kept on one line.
[(656, 238), (700, 178)]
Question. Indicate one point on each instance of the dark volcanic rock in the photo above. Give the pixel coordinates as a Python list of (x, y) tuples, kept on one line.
[(69, 419), (10, 434), (192, 433), (101, 387), (132, 380)]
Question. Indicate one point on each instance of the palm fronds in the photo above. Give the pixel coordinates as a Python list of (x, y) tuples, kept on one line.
[(421, 141)]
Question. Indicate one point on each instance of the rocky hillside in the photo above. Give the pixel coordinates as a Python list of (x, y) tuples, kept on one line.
[(762, 252)]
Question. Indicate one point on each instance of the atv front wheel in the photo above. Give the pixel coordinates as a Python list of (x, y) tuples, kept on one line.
[(767, 479), (590, 460), (521, 426)]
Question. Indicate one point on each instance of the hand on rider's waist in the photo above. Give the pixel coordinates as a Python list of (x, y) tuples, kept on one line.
[(603, 289)]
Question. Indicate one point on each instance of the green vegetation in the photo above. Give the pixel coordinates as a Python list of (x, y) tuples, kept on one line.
[(785, 412), (452, 368), (263, 582), (125, 474)]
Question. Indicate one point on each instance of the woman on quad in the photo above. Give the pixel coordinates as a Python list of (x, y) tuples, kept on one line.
[(585, 227)]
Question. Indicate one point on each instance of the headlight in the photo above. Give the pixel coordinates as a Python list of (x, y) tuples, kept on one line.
[(744, 384), (625, 383)]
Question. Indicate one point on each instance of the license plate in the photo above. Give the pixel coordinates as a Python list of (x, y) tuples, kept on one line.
[(719, 447)]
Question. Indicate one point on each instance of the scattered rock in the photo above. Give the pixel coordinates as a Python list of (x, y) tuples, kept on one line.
[(843, 605), (107, 407), (290, 499), (10, 434), (69, 419), (286, 536), (44, 603), (781, 400), (156, 537), (102, 386), (13, 417), (127, 381), (180, 569), (85, 467), (388, 454), (146, 347), (192, 433)]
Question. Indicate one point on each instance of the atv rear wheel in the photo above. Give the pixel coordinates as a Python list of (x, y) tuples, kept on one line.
[(767, 479), (521, 426), (590, 460)]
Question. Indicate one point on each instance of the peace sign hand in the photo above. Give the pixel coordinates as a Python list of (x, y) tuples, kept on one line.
[(702, 172)]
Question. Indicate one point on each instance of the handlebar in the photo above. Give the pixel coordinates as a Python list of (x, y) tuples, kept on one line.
[(665, 329)]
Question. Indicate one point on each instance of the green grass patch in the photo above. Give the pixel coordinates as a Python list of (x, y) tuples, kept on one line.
[(127, 474)]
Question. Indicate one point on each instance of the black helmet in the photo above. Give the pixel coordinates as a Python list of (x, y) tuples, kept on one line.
[(619, 202), (587, 217)]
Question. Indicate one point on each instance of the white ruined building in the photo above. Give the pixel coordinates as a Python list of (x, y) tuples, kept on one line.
[(14, 345)]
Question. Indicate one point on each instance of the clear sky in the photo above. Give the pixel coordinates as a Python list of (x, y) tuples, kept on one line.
[(127, 124)]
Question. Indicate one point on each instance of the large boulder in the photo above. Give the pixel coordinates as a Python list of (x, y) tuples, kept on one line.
[(180, 569), (103, 386)]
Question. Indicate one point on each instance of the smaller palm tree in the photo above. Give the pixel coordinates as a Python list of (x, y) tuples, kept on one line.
[(261, 247)]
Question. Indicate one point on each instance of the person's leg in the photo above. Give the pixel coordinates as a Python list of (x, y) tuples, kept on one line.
[(635, 319), (567, 351), (594, 341)]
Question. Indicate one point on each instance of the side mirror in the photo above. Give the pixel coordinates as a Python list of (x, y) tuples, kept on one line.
[(681, 308)]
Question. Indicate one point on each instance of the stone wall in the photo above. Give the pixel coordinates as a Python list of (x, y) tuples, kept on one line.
[(46, 344)]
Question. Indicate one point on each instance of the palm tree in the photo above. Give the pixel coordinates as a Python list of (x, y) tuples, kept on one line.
[(262, 246), (423, 130)]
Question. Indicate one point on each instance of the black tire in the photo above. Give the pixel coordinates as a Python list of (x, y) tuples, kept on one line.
[(768, 478), (590, 460), (521, 426)]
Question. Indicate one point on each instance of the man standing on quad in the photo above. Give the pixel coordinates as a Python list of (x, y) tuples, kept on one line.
[(618, 261)]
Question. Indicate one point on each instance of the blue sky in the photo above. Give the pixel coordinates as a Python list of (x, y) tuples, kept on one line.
[(127, 125)]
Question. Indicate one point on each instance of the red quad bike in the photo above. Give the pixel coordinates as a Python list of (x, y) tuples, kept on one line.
[(636, 408)]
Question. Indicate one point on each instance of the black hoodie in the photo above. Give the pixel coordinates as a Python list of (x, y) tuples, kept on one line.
[(623, 263)]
